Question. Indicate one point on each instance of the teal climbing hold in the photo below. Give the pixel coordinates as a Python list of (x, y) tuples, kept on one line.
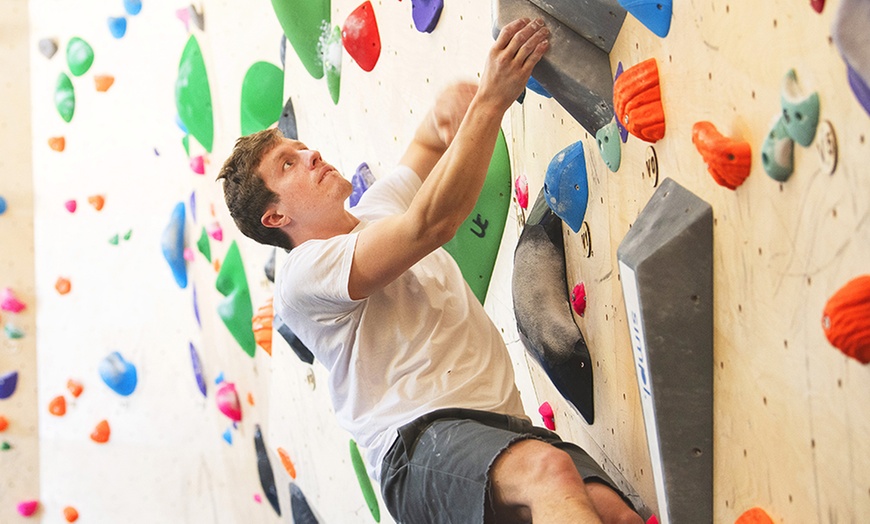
[(609, 145), (777, 152), (303, 21), (79, 56), (262, 97), (236, 310), (654, 14), (172, 243), (332, 53), (65, 97), (565, 185), (365, 483), (800, 112), (193, 96)]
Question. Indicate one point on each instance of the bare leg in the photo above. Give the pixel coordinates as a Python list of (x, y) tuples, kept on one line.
[(533, 481)]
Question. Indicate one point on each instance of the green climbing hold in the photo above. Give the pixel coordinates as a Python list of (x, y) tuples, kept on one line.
[(236, 310), (5, 446), (128, 234), (79, 56), (203, 245), (476, 243), (114, 240), (262, 97), (365, 483), (303, 22), (192, 95), (65, 97), (332, 53)]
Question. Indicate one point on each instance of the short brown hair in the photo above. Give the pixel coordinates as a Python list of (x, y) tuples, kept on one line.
[(246, 193)]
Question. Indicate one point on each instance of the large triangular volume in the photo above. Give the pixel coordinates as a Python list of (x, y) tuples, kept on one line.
[(666, 269)]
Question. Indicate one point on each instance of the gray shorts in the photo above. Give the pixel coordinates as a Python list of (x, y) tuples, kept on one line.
[(437, 471)]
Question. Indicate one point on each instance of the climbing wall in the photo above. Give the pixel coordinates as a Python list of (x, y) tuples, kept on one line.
[(787, 422)]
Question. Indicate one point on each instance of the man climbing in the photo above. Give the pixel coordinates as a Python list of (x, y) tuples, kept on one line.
[(418, 373)]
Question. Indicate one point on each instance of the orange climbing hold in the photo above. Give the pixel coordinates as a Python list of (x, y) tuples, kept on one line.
[(70, 514), (62, 285), (288, 464), (728, 160), (262, 325), (57, 406), (250, 398), (846, 319), (637, 100), (754, 516), (101, 432), (74, 387), (3, 423), (103, 82), (98, 201), (58, 143)]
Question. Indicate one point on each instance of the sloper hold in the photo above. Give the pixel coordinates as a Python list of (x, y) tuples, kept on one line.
[(227, 399), (637, 99), (193, 96), (800, 112), (575, 71), (728, 160), (609, 145), (301, 511), (426, 13), (79, 56), (777, 152), (262, 91), (666, 270), (65, 97), (264, 468), (172, 244), (566, 186), (8, 383), (544, 320), (117, 26), (360, 36), (303, 22), (361, 180), (654, 14), (236, 309)]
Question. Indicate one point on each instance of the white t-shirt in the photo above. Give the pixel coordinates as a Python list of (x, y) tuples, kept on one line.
[(422, 343)]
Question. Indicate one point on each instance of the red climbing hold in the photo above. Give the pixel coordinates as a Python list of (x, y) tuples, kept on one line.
[(846, 319), (728, 160), (578, 299), (818, 5), (360, 36)]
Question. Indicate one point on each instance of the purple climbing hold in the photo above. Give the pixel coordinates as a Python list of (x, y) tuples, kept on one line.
[(362, 179), (623, 132), (860, 89), (7, 384), (196, 309), (197, 369), (426, 14)]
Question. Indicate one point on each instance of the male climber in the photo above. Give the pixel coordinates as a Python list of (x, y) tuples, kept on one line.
[(418, 373)]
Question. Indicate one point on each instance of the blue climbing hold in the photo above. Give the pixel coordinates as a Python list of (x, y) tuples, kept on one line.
[(133, 6), (173, 245), (565, 186), (3, 205), (228, 436), (534, 85), (118, 26), (118, 374), (654, 14), (8, 382)]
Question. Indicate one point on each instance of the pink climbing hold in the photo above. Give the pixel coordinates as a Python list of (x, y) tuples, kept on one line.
[(70, 206), (197, 165), (215, 231), (548, 416), (652, 520), (521, 187), (9, 302), (257, 498), (228, 401), (187, 254), (28, 507), (360, 36), (578, 299)]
